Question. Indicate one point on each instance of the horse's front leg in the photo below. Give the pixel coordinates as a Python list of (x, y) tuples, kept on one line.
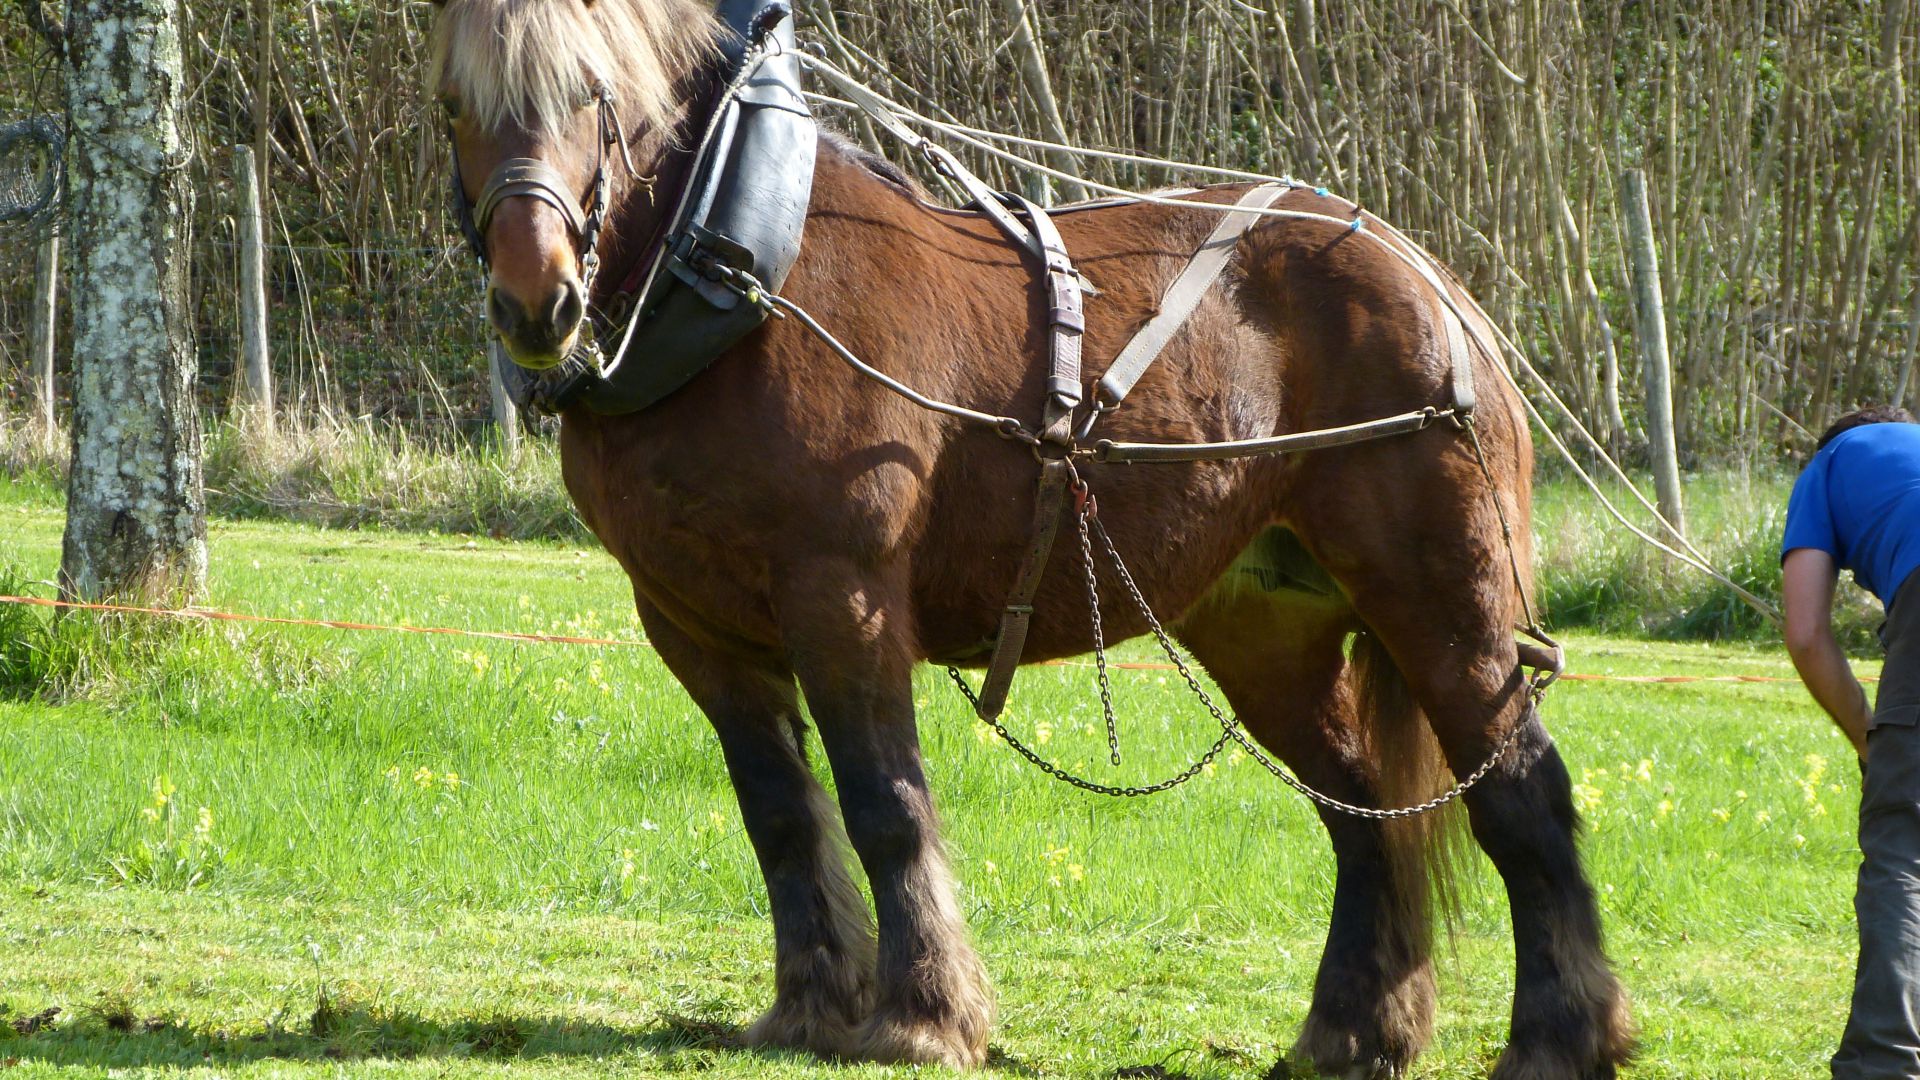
[(850, 635), (823, 938)]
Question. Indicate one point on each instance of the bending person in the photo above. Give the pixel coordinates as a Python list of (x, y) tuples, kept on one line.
[(1857, 506)]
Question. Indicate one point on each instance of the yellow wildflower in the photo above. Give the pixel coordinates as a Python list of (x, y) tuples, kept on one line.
[(423, 776), (1586, 797), (1076, 872), (1721, 815), (451, 780)]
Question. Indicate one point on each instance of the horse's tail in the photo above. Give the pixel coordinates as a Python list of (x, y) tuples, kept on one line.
[(1422, 851)]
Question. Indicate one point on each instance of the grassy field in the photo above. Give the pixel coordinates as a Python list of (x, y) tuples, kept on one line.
[(253, 852)]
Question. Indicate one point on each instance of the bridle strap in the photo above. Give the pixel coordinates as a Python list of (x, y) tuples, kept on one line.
[(536, 179), (531, 177)]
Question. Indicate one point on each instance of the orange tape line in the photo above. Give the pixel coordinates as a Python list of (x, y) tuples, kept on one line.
[(561, 639), (331, 624)]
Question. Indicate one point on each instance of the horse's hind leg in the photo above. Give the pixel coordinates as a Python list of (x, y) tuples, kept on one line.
[(1570, 1017), (1279, 656), (1441, 605), (823, 939), (850, 635)]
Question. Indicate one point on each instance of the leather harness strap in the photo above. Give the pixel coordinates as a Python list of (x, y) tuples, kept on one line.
[(1048, 500), (1179, 303), (1066, 314), (1067, 324)]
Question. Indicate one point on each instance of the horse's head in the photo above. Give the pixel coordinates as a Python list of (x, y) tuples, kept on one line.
[(535, 92)]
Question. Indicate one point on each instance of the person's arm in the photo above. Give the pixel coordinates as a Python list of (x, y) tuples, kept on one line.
[(1807, 582)]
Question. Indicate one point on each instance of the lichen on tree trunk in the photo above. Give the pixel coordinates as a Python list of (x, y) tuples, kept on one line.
[(136, 519)]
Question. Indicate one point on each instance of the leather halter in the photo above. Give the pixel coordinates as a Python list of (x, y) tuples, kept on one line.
[(535, 179)]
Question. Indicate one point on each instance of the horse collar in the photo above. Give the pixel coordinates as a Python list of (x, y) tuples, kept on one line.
[(742, 206)]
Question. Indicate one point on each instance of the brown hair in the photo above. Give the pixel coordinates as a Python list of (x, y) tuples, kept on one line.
[(1872, 414)]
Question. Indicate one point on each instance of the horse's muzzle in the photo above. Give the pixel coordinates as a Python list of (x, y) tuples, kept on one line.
[(537, 336)]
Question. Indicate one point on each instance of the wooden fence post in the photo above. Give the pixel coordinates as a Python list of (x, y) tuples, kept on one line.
[(46, 326), (506, 418), (1654, 363), (254, 399)]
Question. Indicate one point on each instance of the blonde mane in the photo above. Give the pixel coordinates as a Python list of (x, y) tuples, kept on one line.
[(535, 62)]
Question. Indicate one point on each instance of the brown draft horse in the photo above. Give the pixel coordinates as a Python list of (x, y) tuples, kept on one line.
[(792, 528)]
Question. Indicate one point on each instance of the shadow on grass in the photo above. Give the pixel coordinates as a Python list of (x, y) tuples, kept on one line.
[(338, 1032), (114, 1036)]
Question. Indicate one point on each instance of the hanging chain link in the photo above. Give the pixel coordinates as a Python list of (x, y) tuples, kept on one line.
[(1086, 513), (1084, 508)]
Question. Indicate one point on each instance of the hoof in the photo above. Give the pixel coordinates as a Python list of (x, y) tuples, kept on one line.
[(817, 1027), (1288, 1069), (1534, 1064), (1593, 1038), (1375, 1040), (960, 1044)]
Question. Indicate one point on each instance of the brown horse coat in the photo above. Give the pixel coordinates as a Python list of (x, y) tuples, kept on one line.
[(791, 527)]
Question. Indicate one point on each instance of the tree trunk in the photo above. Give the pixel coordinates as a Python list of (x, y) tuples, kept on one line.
[(1033, 69), (136, 520)]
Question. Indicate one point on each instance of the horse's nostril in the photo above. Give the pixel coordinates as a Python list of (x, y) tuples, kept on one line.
[(567, 309), (502, 311)]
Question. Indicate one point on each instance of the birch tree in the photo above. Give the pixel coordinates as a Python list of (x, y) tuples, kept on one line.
[(136, 521)]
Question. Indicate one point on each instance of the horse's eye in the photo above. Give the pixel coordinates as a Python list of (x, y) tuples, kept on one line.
[(451, 105)]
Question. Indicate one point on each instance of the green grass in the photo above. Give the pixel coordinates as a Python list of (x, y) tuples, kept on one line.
[(582, 901), (1593, 574)]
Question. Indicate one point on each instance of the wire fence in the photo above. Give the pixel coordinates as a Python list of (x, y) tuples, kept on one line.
[(393, 334)]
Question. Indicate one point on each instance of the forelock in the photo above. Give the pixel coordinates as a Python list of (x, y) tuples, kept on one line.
[(534, 63)]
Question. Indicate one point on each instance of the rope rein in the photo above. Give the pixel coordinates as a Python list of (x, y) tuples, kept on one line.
[(868, 100)]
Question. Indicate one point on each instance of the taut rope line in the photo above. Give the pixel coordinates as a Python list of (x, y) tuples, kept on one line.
[(873, 103)]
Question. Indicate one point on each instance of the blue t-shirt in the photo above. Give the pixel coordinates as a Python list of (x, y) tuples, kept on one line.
[(1859, 501)]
